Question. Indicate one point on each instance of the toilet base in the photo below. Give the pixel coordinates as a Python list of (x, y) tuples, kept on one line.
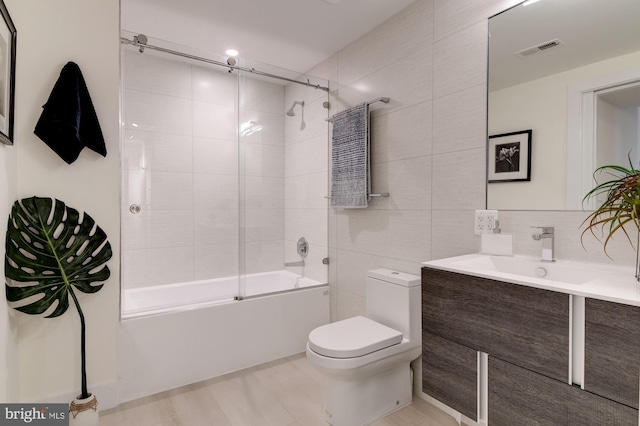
[(359, 402)]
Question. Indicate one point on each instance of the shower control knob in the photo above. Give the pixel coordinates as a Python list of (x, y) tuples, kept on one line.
[(135, 208)]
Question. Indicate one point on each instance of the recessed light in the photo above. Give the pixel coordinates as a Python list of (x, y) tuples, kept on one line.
[(231, 52)]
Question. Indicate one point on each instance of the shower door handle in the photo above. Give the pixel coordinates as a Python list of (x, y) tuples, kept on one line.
[(135, 208)]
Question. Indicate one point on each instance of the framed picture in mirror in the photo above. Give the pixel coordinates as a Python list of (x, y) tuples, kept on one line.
[(509, 157), (7, 75)]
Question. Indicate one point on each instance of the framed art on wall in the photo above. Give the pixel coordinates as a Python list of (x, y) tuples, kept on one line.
[(7, 75), (509, 157)]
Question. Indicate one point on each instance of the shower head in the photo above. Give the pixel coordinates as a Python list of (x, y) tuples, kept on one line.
[(290, 112)]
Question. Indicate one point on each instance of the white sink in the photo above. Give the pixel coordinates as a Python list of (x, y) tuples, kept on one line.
[(600, 281), (561, 271)]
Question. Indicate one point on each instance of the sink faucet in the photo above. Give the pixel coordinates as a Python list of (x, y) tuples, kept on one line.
[(545, 234)]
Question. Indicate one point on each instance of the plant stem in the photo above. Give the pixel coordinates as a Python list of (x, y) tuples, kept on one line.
[(83, 354)]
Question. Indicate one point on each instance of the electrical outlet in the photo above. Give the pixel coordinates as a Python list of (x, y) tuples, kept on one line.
[(485, 221)]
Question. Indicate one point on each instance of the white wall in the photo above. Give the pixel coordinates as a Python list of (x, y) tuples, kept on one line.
[(428, 143), (541, 105), (617, 134), (8, 355), (49, 35)]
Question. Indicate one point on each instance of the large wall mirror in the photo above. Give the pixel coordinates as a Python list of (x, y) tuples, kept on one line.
[(569, 71)]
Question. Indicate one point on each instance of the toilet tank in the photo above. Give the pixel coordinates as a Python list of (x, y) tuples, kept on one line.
[(394, 299)]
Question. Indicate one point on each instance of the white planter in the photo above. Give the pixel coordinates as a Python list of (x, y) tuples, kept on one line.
[(84, 412)]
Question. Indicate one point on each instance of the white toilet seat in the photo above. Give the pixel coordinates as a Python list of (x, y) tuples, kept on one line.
[(353, 337)]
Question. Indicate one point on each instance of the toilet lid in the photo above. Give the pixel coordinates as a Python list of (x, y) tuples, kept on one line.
[(352, 337)]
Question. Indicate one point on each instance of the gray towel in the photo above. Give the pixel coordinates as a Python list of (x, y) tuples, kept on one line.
[(350, 158)]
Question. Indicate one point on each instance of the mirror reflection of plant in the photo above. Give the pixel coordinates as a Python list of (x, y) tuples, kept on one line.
[(52, 249), (621, 206)]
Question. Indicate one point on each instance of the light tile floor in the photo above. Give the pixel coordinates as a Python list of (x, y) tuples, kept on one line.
[(287, 392)]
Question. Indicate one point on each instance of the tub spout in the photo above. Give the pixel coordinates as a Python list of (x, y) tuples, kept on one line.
[(300, 263)]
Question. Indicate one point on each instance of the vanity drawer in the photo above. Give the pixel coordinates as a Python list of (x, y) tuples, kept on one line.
[(450, 374), (518, 396), (612, 350), (524, 325)]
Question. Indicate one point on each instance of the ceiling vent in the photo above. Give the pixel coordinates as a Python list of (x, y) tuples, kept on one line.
[(538, 48)]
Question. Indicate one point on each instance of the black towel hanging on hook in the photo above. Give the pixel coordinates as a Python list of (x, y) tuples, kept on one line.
[(68, 121)]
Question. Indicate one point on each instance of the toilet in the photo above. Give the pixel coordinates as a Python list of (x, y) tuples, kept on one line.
[(367, 359)]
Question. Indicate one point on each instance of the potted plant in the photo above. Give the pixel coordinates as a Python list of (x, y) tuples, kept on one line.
[(620, 208), (51, 251)]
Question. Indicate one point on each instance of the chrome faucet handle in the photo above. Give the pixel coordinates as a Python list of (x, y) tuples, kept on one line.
[(544, 229), (546, 236)]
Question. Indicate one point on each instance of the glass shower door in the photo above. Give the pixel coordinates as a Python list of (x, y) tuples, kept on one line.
[(180, 202), (283, 180)]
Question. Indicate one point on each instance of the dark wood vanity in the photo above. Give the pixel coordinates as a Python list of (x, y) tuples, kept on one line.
[(526, 333)]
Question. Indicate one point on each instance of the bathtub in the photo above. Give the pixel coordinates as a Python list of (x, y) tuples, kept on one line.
[(189, 295), (178, 334)]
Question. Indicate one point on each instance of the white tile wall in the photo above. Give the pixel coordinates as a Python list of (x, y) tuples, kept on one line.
[(155, 74), (216, 226), (156, 266), (458, 180), (399, 234), (157, 151), (157, 113), (214, 120), (217, 156), (568, 242), (264, 160), (401, 36), (452, 233), (307, 157), (306, 167), (406, 82), (314, 117), (402, 134), (452, 16), (261, 95), (272, 127), (408, 182), (460, 60), (216, 260), (441, 74), (213, 86), (460, 120), (306, 191)]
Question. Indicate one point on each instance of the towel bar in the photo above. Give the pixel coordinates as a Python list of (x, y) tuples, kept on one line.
[(382, 194), (384, 100)]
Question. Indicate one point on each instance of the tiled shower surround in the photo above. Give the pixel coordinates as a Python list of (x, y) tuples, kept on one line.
[(214, 195)]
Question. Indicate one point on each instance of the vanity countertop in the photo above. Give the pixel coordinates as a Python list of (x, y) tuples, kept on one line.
[(598, 281)]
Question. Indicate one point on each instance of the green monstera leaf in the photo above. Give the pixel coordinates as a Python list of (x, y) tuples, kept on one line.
[(51, 249)]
